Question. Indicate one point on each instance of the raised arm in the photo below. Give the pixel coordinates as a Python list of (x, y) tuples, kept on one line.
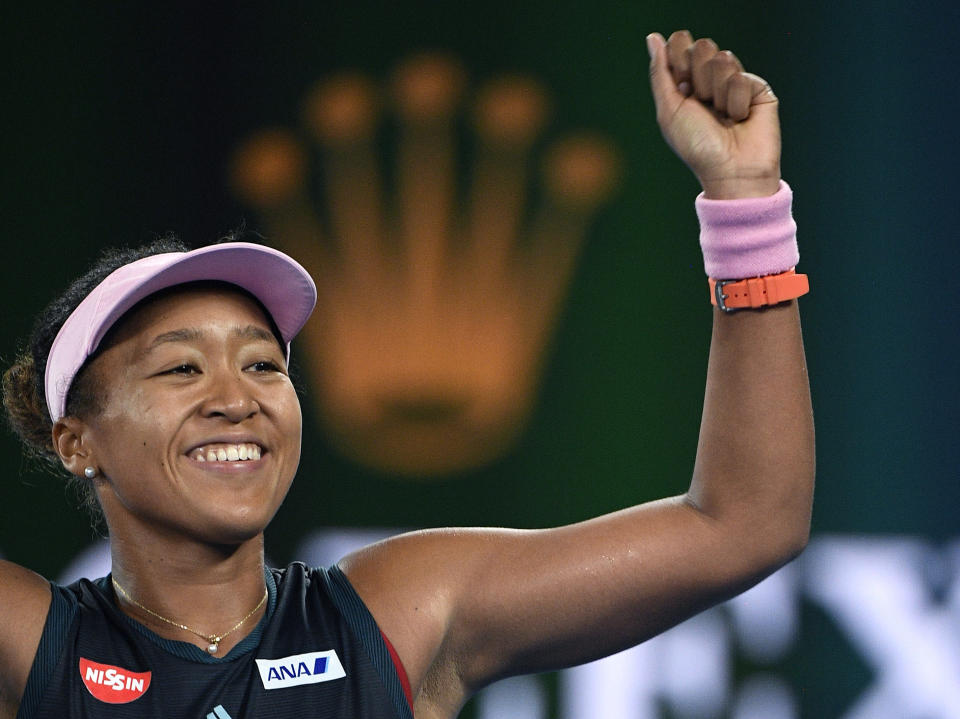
[(465, 607)]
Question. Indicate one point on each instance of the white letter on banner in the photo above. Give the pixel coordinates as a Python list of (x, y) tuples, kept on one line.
[(876, 589)]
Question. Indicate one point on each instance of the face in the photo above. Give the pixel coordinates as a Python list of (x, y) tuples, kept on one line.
[(199, 428)]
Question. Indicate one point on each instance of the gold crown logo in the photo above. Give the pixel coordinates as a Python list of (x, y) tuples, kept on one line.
[(436, 306)]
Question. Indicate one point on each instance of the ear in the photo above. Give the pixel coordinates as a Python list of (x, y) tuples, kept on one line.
[(71, 440)]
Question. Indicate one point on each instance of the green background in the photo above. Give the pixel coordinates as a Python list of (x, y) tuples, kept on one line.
[(118, 125)]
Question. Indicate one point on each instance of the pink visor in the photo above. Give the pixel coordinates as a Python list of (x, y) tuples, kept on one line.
[(280, 283)]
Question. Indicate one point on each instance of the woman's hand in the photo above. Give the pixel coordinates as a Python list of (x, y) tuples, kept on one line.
[(720, 120)]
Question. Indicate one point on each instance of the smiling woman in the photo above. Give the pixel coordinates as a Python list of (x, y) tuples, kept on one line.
[(193, 371), (55, 377), (159, 382)]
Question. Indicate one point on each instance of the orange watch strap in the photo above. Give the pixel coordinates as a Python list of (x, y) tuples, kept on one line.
[(731, 295)]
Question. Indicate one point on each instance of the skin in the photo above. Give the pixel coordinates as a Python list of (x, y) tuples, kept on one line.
[(462, 606), (175, 522), (189, 369)]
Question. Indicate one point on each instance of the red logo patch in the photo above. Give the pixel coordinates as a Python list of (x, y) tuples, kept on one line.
[(113, 685)]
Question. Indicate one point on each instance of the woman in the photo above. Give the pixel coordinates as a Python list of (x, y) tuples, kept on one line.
[(165, 392)]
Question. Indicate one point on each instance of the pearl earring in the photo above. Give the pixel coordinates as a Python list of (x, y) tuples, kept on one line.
[(90, 472)]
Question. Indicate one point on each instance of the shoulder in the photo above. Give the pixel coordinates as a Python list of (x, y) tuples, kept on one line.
[(414, 584), (304, 588), (296, 577), (25, 597)]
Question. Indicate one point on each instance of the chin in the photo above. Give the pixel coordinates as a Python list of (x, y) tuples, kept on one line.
[(234, 531)]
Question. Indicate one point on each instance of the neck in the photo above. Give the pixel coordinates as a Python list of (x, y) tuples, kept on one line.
[(206, 588)]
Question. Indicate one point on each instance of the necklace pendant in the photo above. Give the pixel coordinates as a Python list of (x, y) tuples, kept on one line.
[(213, 647)]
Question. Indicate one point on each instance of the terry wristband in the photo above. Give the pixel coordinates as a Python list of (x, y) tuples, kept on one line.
[(749, 237)]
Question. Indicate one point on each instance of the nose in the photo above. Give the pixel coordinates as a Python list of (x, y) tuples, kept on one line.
[(229, 396)]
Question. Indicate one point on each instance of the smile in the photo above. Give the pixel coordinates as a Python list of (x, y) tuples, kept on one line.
[(245, 452)]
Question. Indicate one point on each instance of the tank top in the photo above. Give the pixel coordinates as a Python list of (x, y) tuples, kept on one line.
[(316, 653)]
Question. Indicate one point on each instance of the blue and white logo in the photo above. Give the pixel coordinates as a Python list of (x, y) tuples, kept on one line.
[(218, 713), (298, 669)]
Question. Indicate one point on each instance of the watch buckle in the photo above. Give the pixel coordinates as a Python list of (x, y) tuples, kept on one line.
[(720, 297)]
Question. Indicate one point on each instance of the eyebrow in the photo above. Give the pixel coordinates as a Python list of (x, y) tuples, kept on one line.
[(191, 335)]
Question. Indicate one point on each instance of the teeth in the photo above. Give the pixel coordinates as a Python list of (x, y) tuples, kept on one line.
[(227, 453)]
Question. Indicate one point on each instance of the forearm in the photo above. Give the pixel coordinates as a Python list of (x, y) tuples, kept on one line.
[(754, 470)]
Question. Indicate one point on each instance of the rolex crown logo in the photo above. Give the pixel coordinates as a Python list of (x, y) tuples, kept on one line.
[(441, 256)]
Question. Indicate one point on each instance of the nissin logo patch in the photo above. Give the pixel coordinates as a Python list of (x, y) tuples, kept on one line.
[(113, 685), (298, 669)]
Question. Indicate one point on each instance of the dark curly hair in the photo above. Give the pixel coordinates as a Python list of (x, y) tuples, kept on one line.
[(23, 388)]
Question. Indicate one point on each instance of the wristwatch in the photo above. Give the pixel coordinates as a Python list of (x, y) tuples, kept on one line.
[(755, 292)]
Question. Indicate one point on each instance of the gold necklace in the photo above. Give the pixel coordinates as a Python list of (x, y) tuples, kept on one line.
[(214, 639)]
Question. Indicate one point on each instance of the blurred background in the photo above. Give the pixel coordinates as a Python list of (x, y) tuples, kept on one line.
[(122, 123)]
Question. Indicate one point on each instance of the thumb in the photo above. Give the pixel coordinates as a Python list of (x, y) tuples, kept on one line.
[(666, 95)]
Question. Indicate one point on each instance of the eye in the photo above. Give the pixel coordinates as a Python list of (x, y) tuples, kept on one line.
[(182, 369), (265, 366)]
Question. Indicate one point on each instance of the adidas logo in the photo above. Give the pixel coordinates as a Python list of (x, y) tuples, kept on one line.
[(219, 713)]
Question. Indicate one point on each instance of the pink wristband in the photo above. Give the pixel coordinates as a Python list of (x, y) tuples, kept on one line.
[(750, 237)]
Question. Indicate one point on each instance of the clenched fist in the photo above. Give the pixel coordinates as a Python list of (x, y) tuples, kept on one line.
[(720, 120)]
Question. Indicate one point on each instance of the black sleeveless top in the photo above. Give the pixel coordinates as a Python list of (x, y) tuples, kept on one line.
[(317, 653)]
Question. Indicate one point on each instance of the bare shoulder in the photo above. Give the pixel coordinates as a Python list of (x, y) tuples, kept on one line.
[(412, 584), (402, 575), (25, 598)]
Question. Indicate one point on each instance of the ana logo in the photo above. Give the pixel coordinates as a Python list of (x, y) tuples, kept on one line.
[(113, 685), (298, 669)]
